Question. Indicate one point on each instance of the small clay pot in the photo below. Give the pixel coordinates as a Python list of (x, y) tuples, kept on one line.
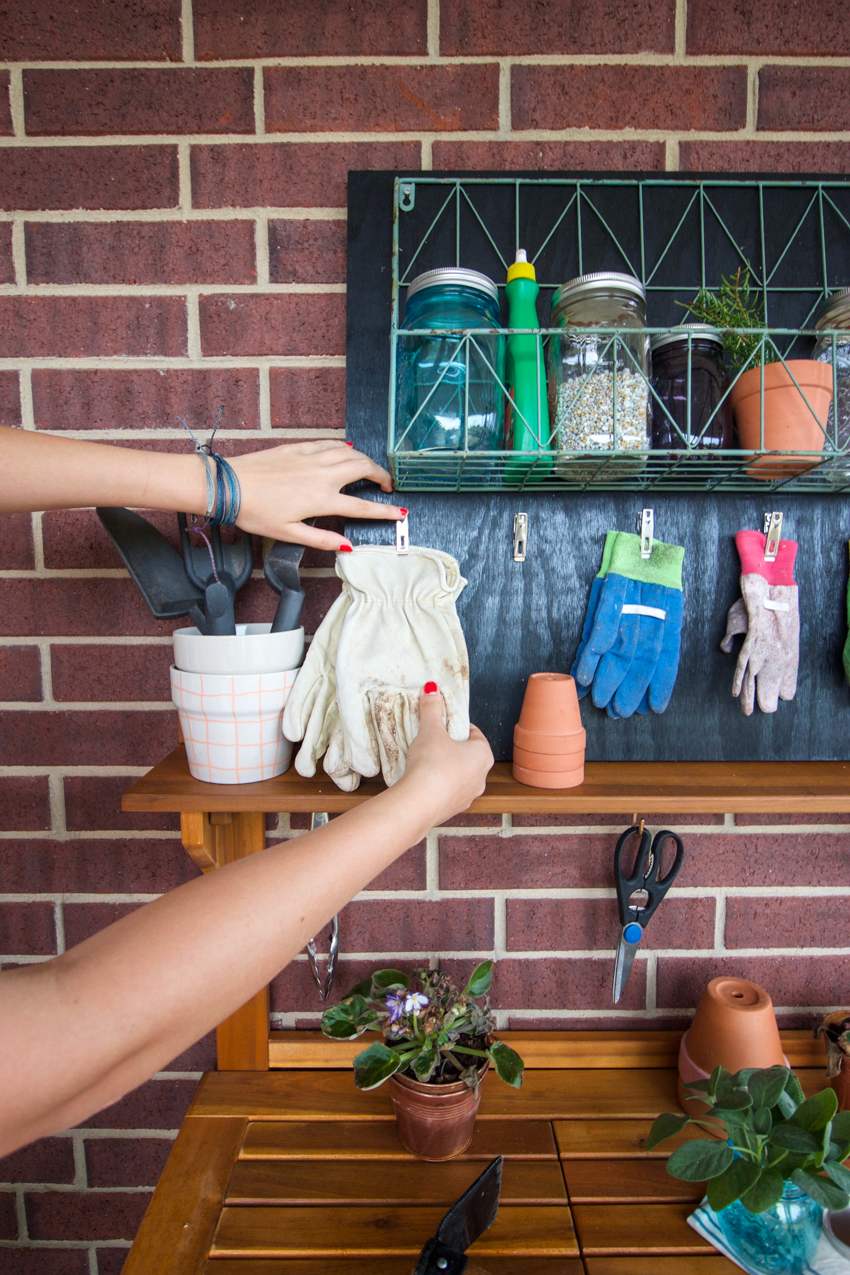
[(788, 421), (734, 1027), (549, 778), (534, 742), (833, 1025), (572, 760), (550, 706), (435, 1122)]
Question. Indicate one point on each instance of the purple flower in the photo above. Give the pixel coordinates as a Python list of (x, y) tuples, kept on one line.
[(395, 1004)]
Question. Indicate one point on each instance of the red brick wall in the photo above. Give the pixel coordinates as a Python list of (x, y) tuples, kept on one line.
[(172, 229)]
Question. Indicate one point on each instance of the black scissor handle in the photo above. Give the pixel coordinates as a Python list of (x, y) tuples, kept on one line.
[(645, 873)]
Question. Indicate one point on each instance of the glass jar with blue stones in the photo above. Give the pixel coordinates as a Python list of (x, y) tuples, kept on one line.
[(774, 1162), (449, 373)]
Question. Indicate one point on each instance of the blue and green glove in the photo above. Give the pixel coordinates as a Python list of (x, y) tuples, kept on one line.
[(629, 654)]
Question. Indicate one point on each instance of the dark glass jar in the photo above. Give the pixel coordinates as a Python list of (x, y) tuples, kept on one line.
[(710, 424)]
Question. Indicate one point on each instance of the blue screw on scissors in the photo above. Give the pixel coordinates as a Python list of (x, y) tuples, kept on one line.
[(644, 879)]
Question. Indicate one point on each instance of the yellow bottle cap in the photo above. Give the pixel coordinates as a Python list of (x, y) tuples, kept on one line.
[(521, 268)]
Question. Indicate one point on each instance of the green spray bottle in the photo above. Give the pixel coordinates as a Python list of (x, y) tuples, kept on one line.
[(527, 417)]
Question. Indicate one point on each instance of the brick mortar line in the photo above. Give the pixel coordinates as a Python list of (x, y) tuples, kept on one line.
[(187, 31), (28, 422), (86, 706), (192, 291), (95, 640), (259, 102), (583, 133), (182, 361), (171, 215), (433, 29), (680, 31), (16, 100), (79, 898), (674, 58)]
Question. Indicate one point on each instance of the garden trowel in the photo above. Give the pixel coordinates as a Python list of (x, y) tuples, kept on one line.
[(465, 1221)]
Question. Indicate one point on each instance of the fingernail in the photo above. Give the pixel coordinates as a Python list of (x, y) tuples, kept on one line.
[(345, 440), (430, 688), (403, 512), (345, 548)]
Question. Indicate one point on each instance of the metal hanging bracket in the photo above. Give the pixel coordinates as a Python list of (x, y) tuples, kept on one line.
[(520, 536), (646, 528), (406, 196), (773, 531), (324, 985), (402, 535)]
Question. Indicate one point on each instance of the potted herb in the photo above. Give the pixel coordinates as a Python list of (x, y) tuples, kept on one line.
[(780, 1165), (438, 1045), (797, 392)]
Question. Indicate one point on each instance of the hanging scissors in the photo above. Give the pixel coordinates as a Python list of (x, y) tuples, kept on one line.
[(644, 878)]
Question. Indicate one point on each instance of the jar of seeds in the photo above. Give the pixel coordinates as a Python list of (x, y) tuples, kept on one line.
[(599, 379)]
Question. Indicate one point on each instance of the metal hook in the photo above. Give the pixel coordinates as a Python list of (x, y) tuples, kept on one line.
[(324, 985), (402, 535), (520, 536), (646, 528), (773, 531)]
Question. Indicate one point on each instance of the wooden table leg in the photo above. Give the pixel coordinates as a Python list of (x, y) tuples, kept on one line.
[(212, 841)]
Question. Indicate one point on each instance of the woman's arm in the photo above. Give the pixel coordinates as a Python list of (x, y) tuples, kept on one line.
[(79, 1031), (281, 486)]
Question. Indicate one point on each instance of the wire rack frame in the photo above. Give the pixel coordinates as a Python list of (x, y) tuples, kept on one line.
[(794, 261)]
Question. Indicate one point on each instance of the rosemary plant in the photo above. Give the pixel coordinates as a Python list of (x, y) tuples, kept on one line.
[(735, 305)]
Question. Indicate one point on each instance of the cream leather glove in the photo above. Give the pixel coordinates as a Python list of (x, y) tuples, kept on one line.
[(768, 613), (400, 630), (312, 713)]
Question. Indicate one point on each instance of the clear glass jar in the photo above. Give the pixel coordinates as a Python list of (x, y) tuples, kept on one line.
[(710, 420), (834, 312), (448, 391), (780, 1241), (598, 386)]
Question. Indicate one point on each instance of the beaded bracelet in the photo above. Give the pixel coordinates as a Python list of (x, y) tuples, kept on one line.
[(224, 495)]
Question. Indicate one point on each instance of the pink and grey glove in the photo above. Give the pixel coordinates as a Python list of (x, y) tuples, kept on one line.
[(768, 614)]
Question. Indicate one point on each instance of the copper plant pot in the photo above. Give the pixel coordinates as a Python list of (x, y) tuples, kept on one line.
[(435, 1122)]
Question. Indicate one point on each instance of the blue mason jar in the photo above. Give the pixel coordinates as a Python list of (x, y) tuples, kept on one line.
[(780, 1241), (449, 386)]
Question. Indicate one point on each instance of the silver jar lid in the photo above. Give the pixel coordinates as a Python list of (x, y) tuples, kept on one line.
[(834, 310), (679, 336), (454, 276), (601, 281)]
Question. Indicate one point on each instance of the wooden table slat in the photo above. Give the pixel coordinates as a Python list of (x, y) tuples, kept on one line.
[(379, 1140), (519, 1230), (614, 1139), (693, 1264), (394, 1266), (610, 1181), (637, 1228), (381, 1183)]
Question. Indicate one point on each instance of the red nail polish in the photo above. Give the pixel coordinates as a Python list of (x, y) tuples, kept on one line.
[(430, 688), (403, 512), (345, 440), (346, 548)]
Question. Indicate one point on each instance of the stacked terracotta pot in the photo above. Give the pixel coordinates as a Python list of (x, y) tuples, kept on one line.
[(549, 738)]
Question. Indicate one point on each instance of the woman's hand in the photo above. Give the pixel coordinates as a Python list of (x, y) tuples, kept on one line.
[(444, 775), (284, 485)]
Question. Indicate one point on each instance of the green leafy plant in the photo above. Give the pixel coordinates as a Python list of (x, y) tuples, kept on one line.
[(735, 305), (773, 1133), (432, 1032)]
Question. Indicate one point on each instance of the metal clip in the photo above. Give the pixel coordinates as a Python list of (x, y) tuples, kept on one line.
[(406, 196), (323, 986), (773, 531), (520, 536), (646, 528), (402, 539)]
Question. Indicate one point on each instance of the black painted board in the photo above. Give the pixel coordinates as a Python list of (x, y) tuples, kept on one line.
[(521, 618)]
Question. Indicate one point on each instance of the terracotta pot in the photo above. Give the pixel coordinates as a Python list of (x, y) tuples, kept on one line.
[(550, 706), (548, 778), (435, 1122), (535, 742), (734, 1026), (841, 1085), (788, 421), (549, 762), (833, 1025)]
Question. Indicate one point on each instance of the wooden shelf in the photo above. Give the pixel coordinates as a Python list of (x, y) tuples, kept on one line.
[(615, 788)]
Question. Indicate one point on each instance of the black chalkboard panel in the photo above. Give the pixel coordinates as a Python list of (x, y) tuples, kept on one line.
[(524, 618)]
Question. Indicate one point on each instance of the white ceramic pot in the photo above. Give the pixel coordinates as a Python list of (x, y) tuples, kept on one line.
[(254, 649), (232, 726)]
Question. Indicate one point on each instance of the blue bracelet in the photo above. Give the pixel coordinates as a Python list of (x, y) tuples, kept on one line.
[(224, 495)]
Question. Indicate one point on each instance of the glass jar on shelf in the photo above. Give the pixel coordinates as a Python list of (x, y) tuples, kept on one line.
[(834, 312), (689, 379), (598, 381), (449, 383)]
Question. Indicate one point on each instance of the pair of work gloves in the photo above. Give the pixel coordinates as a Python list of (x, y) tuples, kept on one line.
[(768, 613), (628, 656), (393, 628)]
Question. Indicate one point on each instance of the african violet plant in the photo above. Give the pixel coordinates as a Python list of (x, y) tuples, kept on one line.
[(774, 1133), (432, 1032)]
